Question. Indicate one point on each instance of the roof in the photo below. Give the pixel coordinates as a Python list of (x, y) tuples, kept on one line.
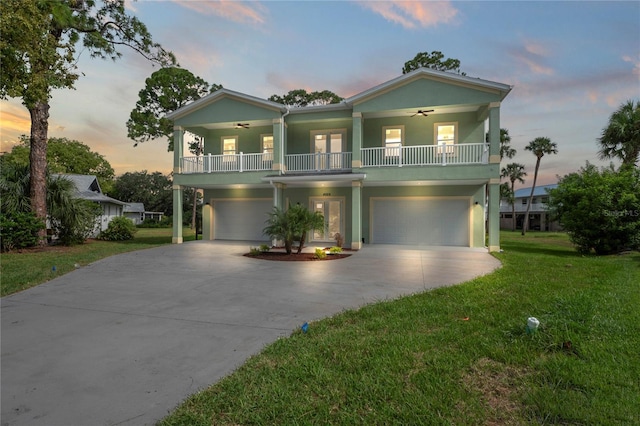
[(88, 188), (539, 191), (504, 89), (219, 94), (133, 208)]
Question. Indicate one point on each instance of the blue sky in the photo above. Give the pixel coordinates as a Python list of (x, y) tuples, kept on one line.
[(571, 64)]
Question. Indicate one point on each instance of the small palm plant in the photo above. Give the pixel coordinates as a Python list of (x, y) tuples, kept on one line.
[(291, 224)]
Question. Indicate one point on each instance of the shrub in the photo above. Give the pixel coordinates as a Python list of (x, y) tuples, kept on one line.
[(74, 221), (335, 250), (154, 223), (264, 248), (320, 253), (120, 229), (600, 209), (19, 230)]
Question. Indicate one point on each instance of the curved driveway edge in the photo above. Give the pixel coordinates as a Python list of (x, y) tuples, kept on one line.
[(124, 340)]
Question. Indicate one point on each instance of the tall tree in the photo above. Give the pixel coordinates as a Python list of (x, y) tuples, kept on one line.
[(539, 146), (621, 138), (302, 98), (165, 91), (38, 54), (67, 156), (151, 189), (434, 60), (515, 173)]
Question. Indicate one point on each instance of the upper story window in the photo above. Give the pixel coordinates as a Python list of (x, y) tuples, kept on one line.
[(327, 141), (266, 142), (392, 140), (446, 135), (229, 147)]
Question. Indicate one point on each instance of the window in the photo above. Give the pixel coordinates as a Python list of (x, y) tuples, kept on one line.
[(534, 200), (392, 139), (229, 147), (446, 136), (524, 201), (267, 147)]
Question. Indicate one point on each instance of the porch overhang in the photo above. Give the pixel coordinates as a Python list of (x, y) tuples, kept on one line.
[(316, 180)]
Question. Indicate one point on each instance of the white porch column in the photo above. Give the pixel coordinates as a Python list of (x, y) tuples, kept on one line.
[(356, 215), (494, 133), (356, 155), (178, 148), (177, 215), (494, 215), (207, 222)]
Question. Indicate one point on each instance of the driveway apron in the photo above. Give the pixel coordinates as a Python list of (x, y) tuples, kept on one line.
[(124, 340)]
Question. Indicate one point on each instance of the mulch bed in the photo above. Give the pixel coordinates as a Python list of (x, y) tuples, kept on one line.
[(302, 257)]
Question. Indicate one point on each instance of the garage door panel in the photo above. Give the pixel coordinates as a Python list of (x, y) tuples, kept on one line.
[(241, 220), (420, 221)]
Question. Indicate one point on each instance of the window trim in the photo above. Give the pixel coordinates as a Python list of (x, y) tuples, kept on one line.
[(225, 156), (266, 155), (450, 149), (328, 132), (392, 151)]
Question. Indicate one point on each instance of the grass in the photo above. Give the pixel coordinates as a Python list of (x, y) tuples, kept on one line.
[(22, 270), (457, 355)]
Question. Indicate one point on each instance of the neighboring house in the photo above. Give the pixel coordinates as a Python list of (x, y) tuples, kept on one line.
[(539, 219), (404, 162), (88, 188), (137, 213)]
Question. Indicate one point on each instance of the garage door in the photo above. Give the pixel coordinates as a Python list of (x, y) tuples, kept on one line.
[(428, 221), (241, 220)]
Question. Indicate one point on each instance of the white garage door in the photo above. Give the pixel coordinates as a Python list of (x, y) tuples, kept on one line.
[(241, 220), (427, 221)]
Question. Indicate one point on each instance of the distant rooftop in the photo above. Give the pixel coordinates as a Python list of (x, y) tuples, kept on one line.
[(539, 191)]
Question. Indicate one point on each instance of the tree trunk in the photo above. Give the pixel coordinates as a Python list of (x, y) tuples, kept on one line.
[(513, 206), (193, 213), (525, 224), (38, 163)]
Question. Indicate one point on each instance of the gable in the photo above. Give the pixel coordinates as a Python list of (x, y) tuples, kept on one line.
[(416, 93)]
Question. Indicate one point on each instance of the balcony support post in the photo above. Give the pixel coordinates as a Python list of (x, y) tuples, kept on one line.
[(177, 214), (178, 148), (356, 149), (356, 215)]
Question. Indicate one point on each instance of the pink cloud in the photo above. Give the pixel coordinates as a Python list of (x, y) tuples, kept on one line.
[(243, 12), (412, 14)]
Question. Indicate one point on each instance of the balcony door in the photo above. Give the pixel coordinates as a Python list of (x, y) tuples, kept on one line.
[(328, 146), (331, 209)]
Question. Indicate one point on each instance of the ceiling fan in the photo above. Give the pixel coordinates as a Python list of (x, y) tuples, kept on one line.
[(242, 126), (423, 112)]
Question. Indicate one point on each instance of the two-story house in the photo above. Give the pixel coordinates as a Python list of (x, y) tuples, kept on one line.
[(404, 162), (539, 217)]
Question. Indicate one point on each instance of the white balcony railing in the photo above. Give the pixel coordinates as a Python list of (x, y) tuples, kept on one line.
[(318, 162), (227, 163), (426, 155), (423, 155)]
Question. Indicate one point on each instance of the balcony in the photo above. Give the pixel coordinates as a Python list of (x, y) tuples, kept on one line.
[(423, 155)]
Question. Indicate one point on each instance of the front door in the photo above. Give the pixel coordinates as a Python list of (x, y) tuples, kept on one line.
[(331, 209)]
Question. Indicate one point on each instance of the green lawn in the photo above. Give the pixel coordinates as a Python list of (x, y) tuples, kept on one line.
[(458, 355), (21, 270)]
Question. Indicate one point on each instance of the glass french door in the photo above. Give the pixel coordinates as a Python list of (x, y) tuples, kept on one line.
[(328, 147), (331, 209)]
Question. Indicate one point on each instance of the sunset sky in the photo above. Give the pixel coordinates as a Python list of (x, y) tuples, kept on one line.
[(571, 64)]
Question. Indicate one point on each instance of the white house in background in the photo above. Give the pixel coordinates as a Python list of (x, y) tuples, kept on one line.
[(539, 219), (88, 188), (137, 213)]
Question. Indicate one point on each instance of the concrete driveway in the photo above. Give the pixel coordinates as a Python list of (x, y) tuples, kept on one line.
[(124, 340)]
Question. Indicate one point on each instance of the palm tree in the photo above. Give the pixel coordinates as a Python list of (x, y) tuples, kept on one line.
[(306, 221), (514, 172), (505, 147), (280, 227), (539, 146), (621, 138)]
